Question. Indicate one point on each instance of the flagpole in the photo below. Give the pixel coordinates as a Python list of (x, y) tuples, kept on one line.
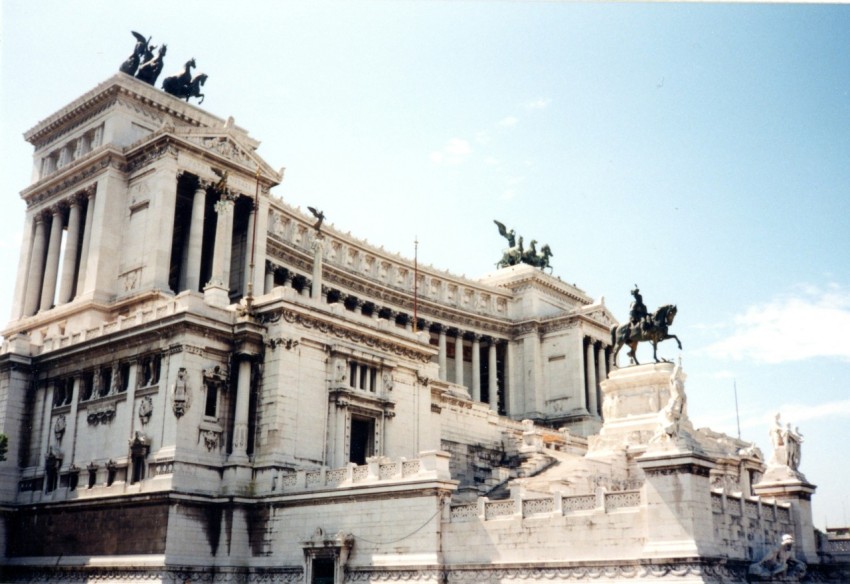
[(415, 283)]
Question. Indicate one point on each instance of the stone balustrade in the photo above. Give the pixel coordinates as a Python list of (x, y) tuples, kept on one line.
[(350, 254), (429, 466), (557, 505), (151, 313)]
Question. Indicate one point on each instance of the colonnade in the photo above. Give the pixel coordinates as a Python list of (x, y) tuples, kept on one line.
[(279, 276), (597, 365), (44, 286)]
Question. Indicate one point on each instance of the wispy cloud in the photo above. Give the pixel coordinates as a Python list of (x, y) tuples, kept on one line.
[(508, 122), (456, 151), (799, 413), (537, 104), (814, 322)]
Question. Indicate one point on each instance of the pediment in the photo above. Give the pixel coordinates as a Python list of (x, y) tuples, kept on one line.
[(230, 145)]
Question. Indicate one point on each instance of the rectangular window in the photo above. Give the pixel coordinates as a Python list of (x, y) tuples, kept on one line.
[(362, 444), (211, 404)]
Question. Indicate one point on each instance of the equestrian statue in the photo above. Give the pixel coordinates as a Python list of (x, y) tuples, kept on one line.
[(643, 326), (183, 85)]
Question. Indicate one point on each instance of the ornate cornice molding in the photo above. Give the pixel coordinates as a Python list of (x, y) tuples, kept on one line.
[(333, 328)]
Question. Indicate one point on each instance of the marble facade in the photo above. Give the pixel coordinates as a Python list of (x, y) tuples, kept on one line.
[(187, 402)]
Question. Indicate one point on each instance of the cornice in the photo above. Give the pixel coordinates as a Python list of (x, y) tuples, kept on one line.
[(118, 84), (85, 169), (332, 326)]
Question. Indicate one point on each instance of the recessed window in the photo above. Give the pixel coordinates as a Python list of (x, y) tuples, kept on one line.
[(362, 444)]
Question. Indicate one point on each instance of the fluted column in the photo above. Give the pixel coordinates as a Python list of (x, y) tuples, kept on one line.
[(441, 345), (318, 247), (217, 290), (268, 285), (590, 376), (240, 420), (492, 378), (476, 367), (72, 246), (84, 251), (196, 240), (247, 272), (51, 267), (601, 373), (459, 357), (36, 271)]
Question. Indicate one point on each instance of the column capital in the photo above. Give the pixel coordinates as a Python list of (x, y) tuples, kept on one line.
[(476, 337)]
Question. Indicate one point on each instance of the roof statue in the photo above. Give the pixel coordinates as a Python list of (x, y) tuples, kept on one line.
[(145, 67), (150, 69), (642, 327), (320, 216), (183, 85), (131, 64), (515, 253)]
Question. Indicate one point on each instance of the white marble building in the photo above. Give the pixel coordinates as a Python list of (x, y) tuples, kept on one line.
[(198, 386)]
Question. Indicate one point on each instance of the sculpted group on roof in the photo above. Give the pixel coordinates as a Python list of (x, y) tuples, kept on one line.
[(146, 67)]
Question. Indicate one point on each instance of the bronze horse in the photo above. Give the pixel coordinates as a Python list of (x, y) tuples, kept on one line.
[(176, 85), (653, 329)]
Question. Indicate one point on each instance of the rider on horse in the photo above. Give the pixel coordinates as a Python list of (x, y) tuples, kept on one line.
[(637, 311)]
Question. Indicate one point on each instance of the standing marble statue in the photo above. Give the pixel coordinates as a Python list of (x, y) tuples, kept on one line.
[(675, 412), (786, 444)]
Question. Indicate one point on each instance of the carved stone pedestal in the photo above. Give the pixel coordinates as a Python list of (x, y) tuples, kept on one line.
[(632, 402), (798, 492), (216, 296), (678, 504)]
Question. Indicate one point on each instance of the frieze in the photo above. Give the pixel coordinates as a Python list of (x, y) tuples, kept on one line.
[(327, 327), (79, 121), (86, 172), (150, 155)]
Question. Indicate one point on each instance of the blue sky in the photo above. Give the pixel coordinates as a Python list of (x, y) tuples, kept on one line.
[(699, 150)]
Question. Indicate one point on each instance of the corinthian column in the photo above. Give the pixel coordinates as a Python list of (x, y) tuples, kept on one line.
[(492, 378), (36, 271), (196, 240), (84, 252), (476, 367), (441, 358), (459, 357), (217, 290), (590, 375), (51, 268), (72, 246)]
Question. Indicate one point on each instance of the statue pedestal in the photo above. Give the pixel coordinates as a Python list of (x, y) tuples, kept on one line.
[(215, 295), (632, 401), (788, 486), (678, 504)]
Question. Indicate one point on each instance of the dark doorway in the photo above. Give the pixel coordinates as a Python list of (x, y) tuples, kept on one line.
[(362, 439), (323, 571)]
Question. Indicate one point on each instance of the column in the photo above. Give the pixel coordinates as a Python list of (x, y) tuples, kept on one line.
[(248, 272), (23, 269), (318, 247), (492, 378), (196, 240), (268, 284), (601, 374), (590, 378), (84, 252), (262, 219), (217, 290), (476, 367), (442, 356), (51, 268), (72, 246), (36, 270), (240, 421), (459, 357)]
